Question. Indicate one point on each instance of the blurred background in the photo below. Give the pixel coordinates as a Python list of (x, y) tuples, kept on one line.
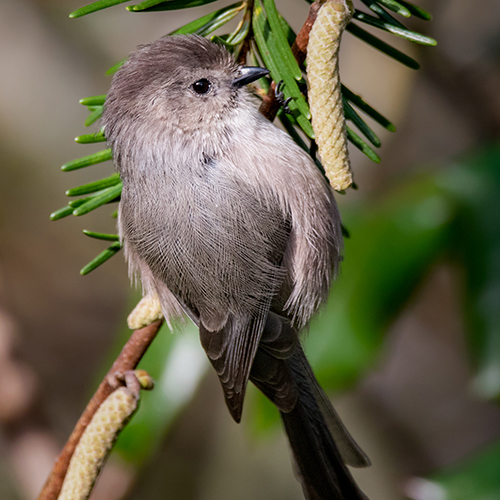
[(409, 344)]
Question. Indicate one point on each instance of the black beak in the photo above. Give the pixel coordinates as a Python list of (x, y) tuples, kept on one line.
[(249, 74)]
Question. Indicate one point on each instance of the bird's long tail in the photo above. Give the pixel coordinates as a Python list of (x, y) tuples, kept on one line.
[(320, 443), (320, 465)]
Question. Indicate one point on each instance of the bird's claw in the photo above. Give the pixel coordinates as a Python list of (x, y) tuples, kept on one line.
[(280, 97)]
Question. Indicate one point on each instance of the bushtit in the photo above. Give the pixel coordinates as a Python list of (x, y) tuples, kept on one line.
[(225, 218)]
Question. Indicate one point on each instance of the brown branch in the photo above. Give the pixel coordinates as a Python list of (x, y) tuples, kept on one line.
[(270, 105), (128, 359)]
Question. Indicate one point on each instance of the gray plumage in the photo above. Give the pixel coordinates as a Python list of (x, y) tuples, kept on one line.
[(225, 218)]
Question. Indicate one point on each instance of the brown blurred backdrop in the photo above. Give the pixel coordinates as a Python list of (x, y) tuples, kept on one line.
[(413, 413)]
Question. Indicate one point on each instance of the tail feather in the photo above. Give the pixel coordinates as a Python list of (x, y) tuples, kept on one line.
[(321, 469), (320, 443), (349, 450), (273, 359)]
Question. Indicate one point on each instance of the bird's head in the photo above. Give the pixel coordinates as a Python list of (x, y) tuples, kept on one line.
[(186, 83)]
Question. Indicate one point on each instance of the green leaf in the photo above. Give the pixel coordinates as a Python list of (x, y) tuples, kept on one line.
[(416, 10), (96, 113), (289, 123), (101, 236), (78, 203), (365, 107), (262, 34), (396, 7), (362, 146), (383, 14), (256, 60), (239, 36), (116, 67), (86, 161), (387, 49), (209, 23), (412, 36), (266, 44), (104, 197), (289, 33), (350, 114), (95, 186), (305, 125), (147, 4), (221, 40), (90, 138), (229, 42), (61, 213), (221, 21), (241, 31), (101, 258), (280, 37), (95, 100), (94, 7), (160, 5)]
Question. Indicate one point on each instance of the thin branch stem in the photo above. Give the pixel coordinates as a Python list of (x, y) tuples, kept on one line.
[(128, 359)]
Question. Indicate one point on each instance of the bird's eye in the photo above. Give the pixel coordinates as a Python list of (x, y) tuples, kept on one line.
[(201, 86)]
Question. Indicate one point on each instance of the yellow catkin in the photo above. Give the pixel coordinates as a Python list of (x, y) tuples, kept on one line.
[(147, 311), (96, 442), (324, 91)]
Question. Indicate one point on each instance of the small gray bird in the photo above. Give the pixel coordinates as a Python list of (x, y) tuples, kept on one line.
[(225, 218)]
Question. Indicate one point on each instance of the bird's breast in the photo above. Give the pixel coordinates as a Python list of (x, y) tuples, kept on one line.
[(207, 235)]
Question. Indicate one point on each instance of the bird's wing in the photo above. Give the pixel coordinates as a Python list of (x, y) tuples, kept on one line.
[(231, 351)]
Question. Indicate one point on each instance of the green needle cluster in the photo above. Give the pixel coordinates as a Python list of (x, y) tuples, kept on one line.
[(263, 36)]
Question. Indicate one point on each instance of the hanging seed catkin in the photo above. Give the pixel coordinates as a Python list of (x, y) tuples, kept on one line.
[(147, 311), (324, 91), (96, 442)]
